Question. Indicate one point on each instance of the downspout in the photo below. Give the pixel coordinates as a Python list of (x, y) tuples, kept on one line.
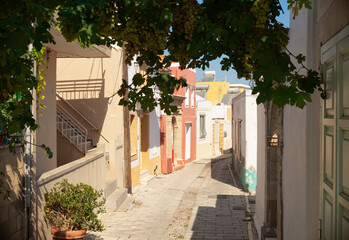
[(27, 167), (27, 181)]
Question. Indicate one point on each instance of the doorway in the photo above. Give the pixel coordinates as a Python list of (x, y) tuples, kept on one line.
[(335, 142)]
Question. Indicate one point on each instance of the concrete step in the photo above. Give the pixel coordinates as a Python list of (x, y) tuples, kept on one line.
[(128, 204), (178, 167), (115, 200), (111, 187), (144, 173), (146, 179)]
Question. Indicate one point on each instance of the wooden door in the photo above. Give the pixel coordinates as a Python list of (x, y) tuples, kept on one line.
[(335, 143)]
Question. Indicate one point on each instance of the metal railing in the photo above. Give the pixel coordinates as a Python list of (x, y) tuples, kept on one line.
[(71, 128), (59, 96)]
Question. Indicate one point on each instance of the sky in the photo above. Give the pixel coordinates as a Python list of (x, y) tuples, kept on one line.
[(231, 74)]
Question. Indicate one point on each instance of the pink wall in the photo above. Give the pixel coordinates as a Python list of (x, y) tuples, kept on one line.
[(166, 163), (189, 113)]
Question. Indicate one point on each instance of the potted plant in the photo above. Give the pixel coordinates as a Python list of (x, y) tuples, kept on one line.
[(73, 209)]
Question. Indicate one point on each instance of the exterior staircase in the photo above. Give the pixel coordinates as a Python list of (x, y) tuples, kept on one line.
[(72, 130)]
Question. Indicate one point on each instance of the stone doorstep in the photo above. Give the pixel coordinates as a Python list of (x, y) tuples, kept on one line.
[(178, 167), (144, 173), (128, 204), (147, 179), (115, 200), (111, 186)]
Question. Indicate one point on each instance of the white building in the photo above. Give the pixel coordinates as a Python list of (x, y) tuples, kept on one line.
[(312, 197), (244, 139), (204, 128)]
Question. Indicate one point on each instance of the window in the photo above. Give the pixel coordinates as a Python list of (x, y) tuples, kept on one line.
[(202, 125), (192, 96), (187, 96)]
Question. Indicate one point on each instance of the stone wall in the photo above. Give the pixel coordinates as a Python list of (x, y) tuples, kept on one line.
[(12, 210)]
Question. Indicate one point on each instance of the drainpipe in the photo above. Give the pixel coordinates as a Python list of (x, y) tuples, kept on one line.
[(27, 167), (27, 180)]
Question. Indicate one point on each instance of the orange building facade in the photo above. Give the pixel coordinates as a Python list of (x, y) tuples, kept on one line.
[(178, 130)]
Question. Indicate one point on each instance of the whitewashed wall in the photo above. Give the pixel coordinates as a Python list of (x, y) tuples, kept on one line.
[(244, 109), (260, 189), (154, 133), (299, 166), (132, 69), (219, 112), (204, 145), (251, 130)]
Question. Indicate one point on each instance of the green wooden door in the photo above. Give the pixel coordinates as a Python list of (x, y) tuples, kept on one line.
[(335, 143)]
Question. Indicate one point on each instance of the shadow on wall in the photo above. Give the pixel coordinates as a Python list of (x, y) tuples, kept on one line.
[(36, 226), (154, 126), (12, 209), (81, 89), (87, 96)]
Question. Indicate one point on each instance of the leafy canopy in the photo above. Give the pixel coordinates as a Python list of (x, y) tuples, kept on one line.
[(244, 32)]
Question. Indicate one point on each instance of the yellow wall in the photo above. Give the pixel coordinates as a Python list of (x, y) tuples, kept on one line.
[(135, 176), (151, 164), (147, 164), (215, 91), (229, 117), (88, 83), (46, 132)]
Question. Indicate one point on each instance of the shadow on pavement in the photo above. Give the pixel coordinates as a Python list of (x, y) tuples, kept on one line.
[(227, 220), (231, 218), (92, 236), (220, 170)]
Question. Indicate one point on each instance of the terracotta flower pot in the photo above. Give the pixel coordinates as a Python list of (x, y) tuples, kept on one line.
[(58, 235)]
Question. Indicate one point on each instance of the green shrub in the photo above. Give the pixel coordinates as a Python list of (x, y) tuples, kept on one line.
[(74, 207)]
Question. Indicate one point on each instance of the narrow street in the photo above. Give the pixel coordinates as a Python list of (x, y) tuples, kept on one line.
[(200, 201)]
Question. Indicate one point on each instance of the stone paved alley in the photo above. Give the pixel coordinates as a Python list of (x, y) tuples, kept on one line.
[(200, 201)]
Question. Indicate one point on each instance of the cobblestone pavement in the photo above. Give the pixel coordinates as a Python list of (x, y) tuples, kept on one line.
[(197, 202), (222, 211)]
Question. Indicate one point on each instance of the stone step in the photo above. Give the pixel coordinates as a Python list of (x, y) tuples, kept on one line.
[(178, 167), (128, 204), (144, 173), (146, 179), (116, 199), (111, 186)]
